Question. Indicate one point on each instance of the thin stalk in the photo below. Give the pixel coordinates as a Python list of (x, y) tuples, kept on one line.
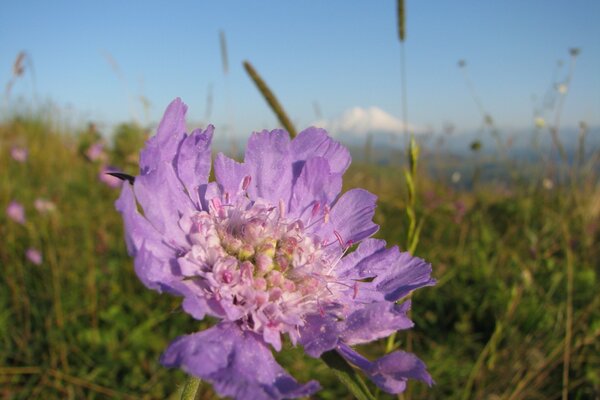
[(270, 98), (569, 319)]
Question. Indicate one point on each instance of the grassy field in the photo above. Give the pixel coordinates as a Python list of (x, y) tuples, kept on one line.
[(515, 313)]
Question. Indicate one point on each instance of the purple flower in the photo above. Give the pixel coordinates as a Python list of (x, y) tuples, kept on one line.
[(16, 212), (19, 154), (96, 152), (34, 256), (107, 179), (264, 249)]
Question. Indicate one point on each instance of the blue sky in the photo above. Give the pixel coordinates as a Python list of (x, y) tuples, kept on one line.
[(339, 54)]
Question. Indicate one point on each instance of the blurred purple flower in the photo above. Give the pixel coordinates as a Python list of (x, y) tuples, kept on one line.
[(264, 249), (19, 154), (96, 152), (34, 256), (44, 206), (16, 212), (107, 179)]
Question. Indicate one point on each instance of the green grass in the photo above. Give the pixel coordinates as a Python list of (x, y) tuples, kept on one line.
[(81, 325)]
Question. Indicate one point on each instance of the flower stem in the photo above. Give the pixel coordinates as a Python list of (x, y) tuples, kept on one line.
[(190, 389)]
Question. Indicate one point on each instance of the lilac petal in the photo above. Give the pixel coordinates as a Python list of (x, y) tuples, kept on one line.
[(391, 371), (351, 219), (405, 275), (193, 161), (230, 174), (396, 274), (369, 260), (207, 193), (236, 362), (164, 145), (375, 321), (152, 257), (194, 302), (315, 184), (269, 164), (156, 272), (163, 199), (318, 335), (315, 142)]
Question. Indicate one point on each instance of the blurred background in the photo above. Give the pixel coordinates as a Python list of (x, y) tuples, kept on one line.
[(499, 189)]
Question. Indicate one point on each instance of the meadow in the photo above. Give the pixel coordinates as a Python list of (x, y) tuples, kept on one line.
[(515, 313)]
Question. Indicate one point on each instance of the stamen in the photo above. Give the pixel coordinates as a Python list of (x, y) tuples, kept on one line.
[(339, 238), (315, 209), (281, 209), (246, 182), (326, 213)]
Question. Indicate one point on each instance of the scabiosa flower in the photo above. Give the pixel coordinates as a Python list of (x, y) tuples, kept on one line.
[(264, 249), (16, 212), (96, 152), (34, 256), (19, 154)]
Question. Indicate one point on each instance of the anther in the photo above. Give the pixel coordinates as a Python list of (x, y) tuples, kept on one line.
[(339, 238), (316, 208), (326, 213), (246, 182)]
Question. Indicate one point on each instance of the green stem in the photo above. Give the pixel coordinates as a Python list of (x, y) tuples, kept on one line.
[(190, 389)]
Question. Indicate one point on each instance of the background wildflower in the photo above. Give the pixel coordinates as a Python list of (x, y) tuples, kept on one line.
[(34, 255), (19, 154), (16, 212)]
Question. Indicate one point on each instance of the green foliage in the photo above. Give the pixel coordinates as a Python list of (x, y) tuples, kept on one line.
[(128, 139), (81, 325)]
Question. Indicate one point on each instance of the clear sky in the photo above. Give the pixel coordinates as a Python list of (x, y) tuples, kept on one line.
[(338, 54)]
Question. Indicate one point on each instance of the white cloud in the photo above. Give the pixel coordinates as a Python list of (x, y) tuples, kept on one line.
[(362, 121)]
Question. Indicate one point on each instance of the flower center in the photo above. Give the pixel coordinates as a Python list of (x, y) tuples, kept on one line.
[(263, 269)]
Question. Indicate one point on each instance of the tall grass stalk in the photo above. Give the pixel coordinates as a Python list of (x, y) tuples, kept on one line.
[(270, 98)]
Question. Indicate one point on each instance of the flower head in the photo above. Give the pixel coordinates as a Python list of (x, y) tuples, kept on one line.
[(264, 249), (19, 154), (34, 256), (16, 212), (96, 152)]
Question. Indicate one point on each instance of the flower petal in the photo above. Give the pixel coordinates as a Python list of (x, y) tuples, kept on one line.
[(165, 144), (153, 259), (406, 274), (230, 174), (391, 371), (315, 184), (351, 219), (193, 161), (164, 200), (396, 273), (236, 362), (269, 163), (319, 334), (375, 321), (315, 142)]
